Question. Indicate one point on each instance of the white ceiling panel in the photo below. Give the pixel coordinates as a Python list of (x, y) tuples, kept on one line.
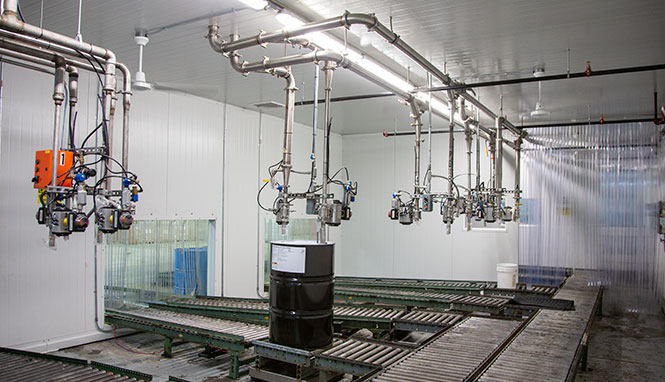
[(475, 40)]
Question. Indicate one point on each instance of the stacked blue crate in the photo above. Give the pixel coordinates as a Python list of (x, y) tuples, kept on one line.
[(190, 272)]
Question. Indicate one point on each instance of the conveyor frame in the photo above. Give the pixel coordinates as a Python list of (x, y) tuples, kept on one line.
[(233, 344), (87, 368)]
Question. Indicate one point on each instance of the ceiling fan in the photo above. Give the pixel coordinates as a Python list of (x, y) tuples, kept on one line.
[(539, 111), (139, 83)]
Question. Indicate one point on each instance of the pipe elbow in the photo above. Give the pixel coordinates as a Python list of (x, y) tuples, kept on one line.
[(214, 39), (366, 19), (326, 55), (234, 59)]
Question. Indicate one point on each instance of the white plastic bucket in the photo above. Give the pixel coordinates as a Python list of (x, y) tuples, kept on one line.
[(506, 275)]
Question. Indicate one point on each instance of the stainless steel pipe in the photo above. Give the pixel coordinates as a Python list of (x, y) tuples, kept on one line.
[(58, 99), (346, 20), (328, 77), (451, 157), (498, 164)]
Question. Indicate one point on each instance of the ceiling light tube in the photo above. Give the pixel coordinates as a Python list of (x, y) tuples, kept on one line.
[(255, 4)]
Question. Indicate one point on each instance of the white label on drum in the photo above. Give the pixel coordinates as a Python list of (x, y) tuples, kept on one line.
[(288, 259)]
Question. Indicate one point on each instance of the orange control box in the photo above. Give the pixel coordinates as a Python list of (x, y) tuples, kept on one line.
[(43, 167)]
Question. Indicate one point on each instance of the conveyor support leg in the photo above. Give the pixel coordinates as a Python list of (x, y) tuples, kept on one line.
[(234, 367), (585, 357), (168, 347)]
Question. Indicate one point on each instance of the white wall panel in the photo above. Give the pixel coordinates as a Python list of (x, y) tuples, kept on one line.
[(244, 221), (374, 245), (177, 149), (45, 294)]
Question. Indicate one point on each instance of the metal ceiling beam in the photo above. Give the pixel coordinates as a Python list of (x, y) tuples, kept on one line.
[(555, 77), (348, 98), (592, 123)]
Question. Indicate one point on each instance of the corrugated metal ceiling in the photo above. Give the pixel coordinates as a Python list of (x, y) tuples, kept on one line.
[(476, 40)]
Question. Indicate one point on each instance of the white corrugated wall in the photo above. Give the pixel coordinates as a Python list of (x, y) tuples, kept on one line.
[(374, 245), (177, 148)]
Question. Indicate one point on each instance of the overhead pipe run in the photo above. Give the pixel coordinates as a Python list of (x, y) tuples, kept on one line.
[(373, 25), (62, 211), (329, 213)]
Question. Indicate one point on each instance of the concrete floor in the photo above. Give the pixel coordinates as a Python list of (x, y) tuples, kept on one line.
[(626, 347)]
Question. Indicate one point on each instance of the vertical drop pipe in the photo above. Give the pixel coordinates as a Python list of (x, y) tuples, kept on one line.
[(498, 166), (288, 141), (417, 124), (518, 159), (469, 140), (58, 99), (451, 158), (478, 151), (315, 115), (73, 98), (328, 76), (429, 137)]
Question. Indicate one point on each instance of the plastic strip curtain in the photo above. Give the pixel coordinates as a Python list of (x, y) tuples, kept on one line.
[(591, 201), (154, 260)]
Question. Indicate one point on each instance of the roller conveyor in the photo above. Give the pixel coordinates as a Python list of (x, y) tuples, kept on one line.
[(257, 311), (479, 304), (16, 365), (232, 336), (244, 332), (549, 347), (468, 303), (216, 302), (358, 357), (455, 355), (396, 297), (450, 286), (426, 321)]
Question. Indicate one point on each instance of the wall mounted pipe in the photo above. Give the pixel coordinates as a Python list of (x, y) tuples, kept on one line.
[(23, 64), (10, 21), (122, 68), (346, 20)]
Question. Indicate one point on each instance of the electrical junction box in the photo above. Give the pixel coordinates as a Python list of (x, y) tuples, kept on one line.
[(43, 168)]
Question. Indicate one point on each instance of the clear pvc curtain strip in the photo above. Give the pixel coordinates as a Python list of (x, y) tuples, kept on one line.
[(591, 201), (156, 260)]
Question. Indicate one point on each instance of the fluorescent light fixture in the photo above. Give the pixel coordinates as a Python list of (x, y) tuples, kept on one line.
[(255, 4), (328, 43), (288, 20)]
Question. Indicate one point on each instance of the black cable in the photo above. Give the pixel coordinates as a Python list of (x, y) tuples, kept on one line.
[(258, 197), (90, 135), (338, 171), (72, 128), (328, 147), (20, 14), (91, 64)]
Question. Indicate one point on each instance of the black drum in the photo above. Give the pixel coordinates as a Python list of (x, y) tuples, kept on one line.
[(301, 293)]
